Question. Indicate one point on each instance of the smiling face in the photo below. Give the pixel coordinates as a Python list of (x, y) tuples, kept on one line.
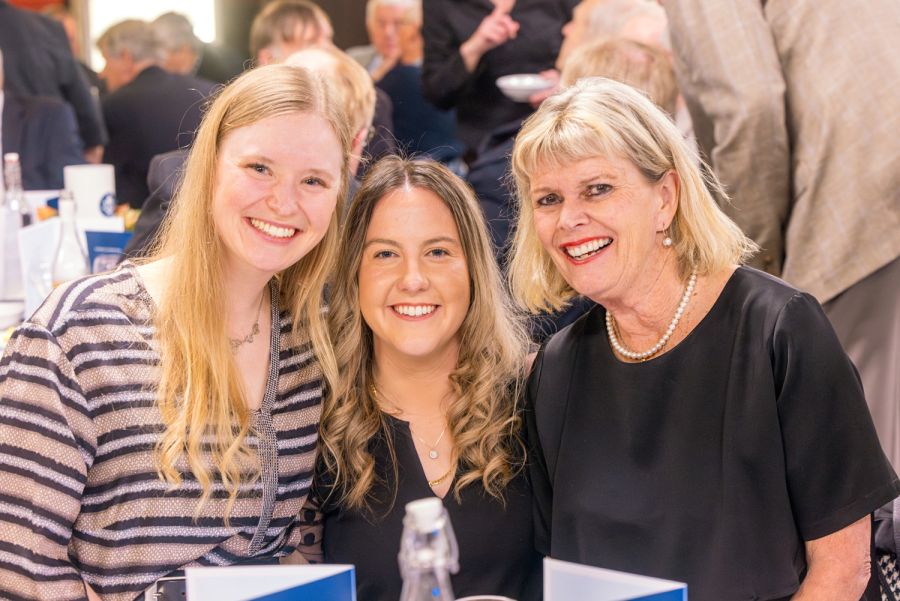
[(413, 278), (600, 221), (277, 183)]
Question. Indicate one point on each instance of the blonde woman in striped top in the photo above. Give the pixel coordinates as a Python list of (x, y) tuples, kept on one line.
[(165, 414)]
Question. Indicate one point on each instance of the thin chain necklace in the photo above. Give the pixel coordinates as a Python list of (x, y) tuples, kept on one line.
[(237, 343), (433, 452), (661, 343)]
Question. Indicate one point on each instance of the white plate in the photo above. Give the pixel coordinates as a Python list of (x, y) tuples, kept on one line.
[(521, 86)]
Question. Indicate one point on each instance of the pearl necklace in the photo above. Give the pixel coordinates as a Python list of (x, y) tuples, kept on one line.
[(661, 343)]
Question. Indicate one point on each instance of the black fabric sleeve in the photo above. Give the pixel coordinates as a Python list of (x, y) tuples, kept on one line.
[(76, 90), (444, 75), (63, 144), (836, 470), (541, 486)]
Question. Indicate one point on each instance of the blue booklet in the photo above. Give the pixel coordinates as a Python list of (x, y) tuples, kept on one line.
[(272, 583), (565, 581)]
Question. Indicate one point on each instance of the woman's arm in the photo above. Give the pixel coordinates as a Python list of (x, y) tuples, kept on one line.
[(838, 565), (47, 441)]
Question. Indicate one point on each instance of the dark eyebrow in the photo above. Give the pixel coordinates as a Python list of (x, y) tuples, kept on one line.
[(384, 241), (441, 239), (394, 243)]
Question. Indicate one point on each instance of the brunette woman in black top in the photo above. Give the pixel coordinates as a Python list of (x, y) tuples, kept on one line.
[(431, 361)]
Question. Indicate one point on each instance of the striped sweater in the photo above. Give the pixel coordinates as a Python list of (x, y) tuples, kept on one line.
[(79, 493)]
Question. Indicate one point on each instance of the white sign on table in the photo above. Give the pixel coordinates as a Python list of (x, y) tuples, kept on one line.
[(565, 581), (272, 583)]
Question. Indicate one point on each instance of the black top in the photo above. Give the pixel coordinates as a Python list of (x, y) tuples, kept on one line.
[(156, 112), (480, 105), (496, 550), (712, 463), (38, 61)]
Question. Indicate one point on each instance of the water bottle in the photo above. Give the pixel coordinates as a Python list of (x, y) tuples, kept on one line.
[(70, 261), (11, 283), (428, 552), (15, 194)]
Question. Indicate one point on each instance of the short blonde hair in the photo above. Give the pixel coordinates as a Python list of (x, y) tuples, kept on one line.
[(643, 67), (350, 81), (598, 117)]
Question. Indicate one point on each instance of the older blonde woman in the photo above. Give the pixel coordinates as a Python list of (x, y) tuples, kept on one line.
[(431, 360), (702, 423), (165, 414)]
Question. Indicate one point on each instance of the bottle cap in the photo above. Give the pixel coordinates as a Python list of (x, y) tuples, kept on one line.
[(425, 513), (11, 156)]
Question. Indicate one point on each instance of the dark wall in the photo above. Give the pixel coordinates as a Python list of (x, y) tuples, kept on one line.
[(233, 19)]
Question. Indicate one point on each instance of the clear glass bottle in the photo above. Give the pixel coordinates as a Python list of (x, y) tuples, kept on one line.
[(11, 283), (70, 261), (428, 552), (12, 179)]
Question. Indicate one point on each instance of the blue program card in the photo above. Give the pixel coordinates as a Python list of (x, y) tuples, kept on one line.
[(565, 581), (272, 583), (105, 249)]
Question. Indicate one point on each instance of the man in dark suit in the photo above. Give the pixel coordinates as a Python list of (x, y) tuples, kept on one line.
[(44, 133), (40, 63), (148, 111)]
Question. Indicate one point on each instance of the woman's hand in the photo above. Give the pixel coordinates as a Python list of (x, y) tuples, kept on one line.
[(838, 565), (495, 29)]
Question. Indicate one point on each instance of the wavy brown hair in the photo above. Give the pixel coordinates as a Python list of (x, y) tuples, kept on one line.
[(484, 419), (200, 396)]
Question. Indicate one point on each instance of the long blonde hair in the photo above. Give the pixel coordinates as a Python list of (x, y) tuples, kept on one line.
[(200, 396), (484, 419), (598, 117)]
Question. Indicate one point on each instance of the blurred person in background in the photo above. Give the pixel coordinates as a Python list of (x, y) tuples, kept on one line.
[(283, 27), (62, 14), (643, 67), (431, 358), (420, 128), (470, 43), (40, 63), (385, 21), (354, 90), (814, 175), (148, 110), (187, 54), (43, 132), (165, 414)]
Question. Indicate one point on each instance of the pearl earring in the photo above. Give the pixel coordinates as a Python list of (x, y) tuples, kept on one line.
[(667, 241)]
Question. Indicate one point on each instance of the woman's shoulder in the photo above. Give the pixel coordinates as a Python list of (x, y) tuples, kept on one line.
[(99, 300), (762, 296)]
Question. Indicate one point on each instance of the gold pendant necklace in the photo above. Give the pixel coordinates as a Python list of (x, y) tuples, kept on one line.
[(433, 453)]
